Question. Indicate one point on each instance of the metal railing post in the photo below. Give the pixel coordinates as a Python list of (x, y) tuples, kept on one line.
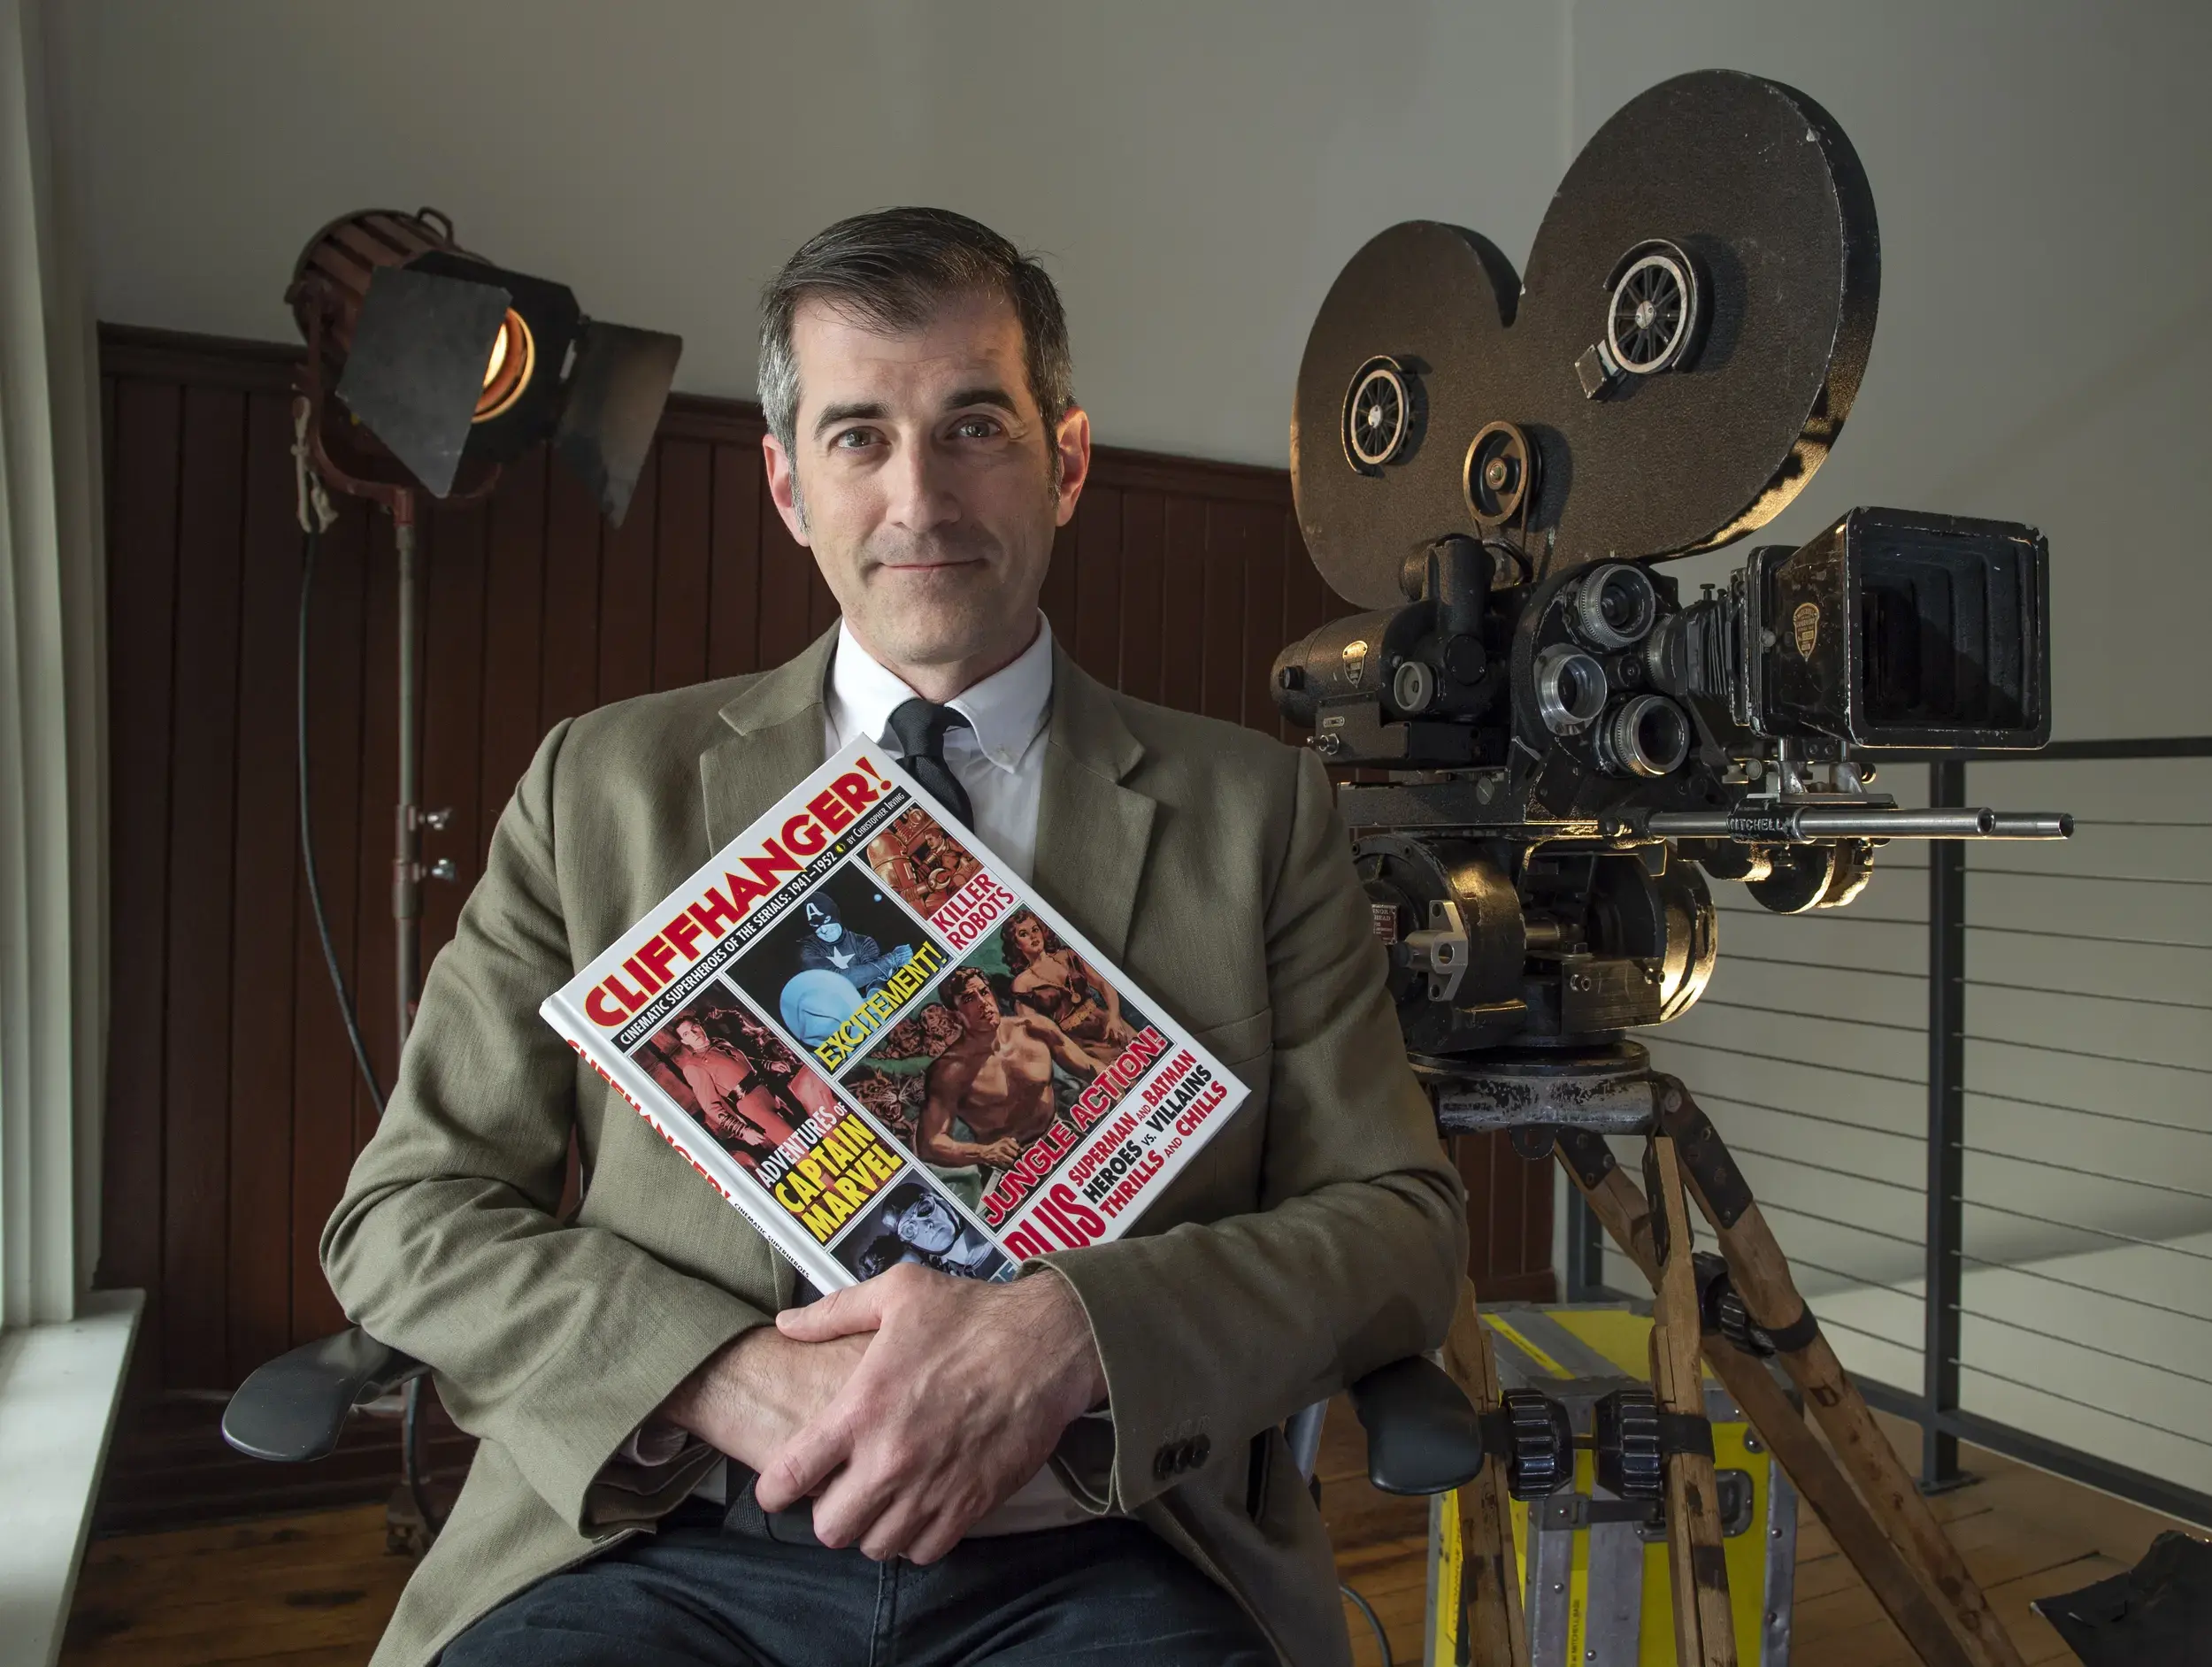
[(1946, 1134)]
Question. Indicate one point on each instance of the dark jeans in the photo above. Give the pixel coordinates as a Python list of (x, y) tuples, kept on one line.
[(733, 1590)]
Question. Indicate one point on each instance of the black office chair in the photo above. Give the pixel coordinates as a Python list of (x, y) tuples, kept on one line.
[(293, 1408), (1423, 1436)]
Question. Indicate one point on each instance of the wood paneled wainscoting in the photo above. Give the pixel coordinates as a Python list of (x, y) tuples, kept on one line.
[(235, 1109)]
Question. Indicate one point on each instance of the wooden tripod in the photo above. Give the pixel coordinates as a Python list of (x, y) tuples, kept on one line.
[(1860, 1490)]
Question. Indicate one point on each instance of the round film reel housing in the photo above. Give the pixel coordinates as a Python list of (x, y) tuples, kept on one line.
[(1719, 228)]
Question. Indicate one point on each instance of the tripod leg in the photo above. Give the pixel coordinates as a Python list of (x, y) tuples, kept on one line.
[(1704, 1627), (1497, 1631), (1620, 1207), (1761, 1275)]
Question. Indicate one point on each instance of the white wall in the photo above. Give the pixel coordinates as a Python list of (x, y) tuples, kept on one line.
[(1195, 174)]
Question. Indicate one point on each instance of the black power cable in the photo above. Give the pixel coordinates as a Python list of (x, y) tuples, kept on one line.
[(310, 544), (1382, 1639)]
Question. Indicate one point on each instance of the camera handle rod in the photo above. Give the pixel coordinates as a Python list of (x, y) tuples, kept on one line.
[(1620, 1207), (1805, 823)]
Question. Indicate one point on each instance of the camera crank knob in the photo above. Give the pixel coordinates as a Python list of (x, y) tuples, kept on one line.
[(1737, 1326), (1630, 1463), (1541, 1459), (1721, 1308)]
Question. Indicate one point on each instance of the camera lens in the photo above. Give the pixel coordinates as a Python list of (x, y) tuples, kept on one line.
[(1569, 688), (1614, 606), (1647, 736)]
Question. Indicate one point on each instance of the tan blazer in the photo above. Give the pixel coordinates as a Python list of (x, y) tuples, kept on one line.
[(1320, 1234)]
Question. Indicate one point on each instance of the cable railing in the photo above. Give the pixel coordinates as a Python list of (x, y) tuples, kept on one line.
[(1977, 1108)]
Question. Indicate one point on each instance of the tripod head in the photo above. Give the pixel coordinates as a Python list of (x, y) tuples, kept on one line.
[(1494, 465)]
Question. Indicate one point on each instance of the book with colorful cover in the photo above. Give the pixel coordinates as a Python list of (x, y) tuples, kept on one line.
[(865, 1032)]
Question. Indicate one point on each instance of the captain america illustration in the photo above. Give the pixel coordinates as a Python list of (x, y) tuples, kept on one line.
[(858, 956), (838, 969)]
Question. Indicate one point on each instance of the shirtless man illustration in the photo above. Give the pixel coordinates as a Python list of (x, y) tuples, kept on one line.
[(735, 1102), (996, 1079), (1063, 985)]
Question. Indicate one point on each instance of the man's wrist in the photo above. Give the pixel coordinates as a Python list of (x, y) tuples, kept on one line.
[(702, 1403), (1082, 1370), (686, 1405)]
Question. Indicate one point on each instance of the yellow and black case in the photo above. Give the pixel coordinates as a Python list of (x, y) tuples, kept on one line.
[(1594, 1569)]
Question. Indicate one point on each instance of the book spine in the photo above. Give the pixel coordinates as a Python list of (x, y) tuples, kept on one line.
[(685, 1138)]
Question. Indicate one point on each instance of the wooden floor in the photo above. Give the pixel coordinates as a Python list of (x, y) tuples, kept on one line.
[(310, 1591), (314, 1591)]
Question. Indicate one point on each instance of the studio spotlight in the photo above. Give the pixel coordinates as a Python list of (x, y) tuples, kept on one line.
[(453, 365), (427, 368)]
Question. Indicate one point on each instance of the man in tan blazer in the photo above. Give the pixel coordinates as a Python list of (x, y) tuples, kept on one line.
[(682, 1463)]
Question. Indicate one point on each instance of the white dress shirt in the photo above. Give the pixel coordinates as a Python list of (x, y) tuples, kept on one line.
[(1000, 758)]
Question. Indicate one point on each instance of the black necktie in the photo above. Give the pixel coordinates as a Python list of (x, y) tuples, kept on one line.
[(919, 726)]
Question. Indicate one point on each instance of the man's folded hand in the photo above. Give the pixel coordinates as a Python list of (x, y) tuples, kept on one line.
[(962, 1395)]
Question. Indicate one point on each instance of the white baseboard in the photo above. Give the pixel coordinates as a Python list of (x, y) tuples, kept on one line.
[(59, 1385)]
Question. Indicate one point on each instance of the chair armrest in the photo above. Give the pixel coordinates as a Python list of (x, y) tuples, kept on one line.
[(1302, 1432), (292, 1408), (1423, 1436)]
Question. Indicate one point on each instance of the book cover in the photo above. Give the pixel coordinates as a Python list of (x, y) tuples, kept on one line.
[(863, 1031)]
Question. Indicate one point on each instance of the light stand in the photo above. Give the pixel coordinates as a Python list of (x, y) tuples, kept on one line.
[(427, 368), (410, 819)]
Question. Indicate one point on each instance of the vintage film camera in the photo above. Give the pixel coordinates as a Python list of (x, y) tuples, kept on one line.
[(1496, 465)]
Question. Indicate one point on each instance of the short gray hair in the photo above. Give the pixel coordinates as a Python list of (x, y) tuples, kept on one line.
[(892, 269)]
